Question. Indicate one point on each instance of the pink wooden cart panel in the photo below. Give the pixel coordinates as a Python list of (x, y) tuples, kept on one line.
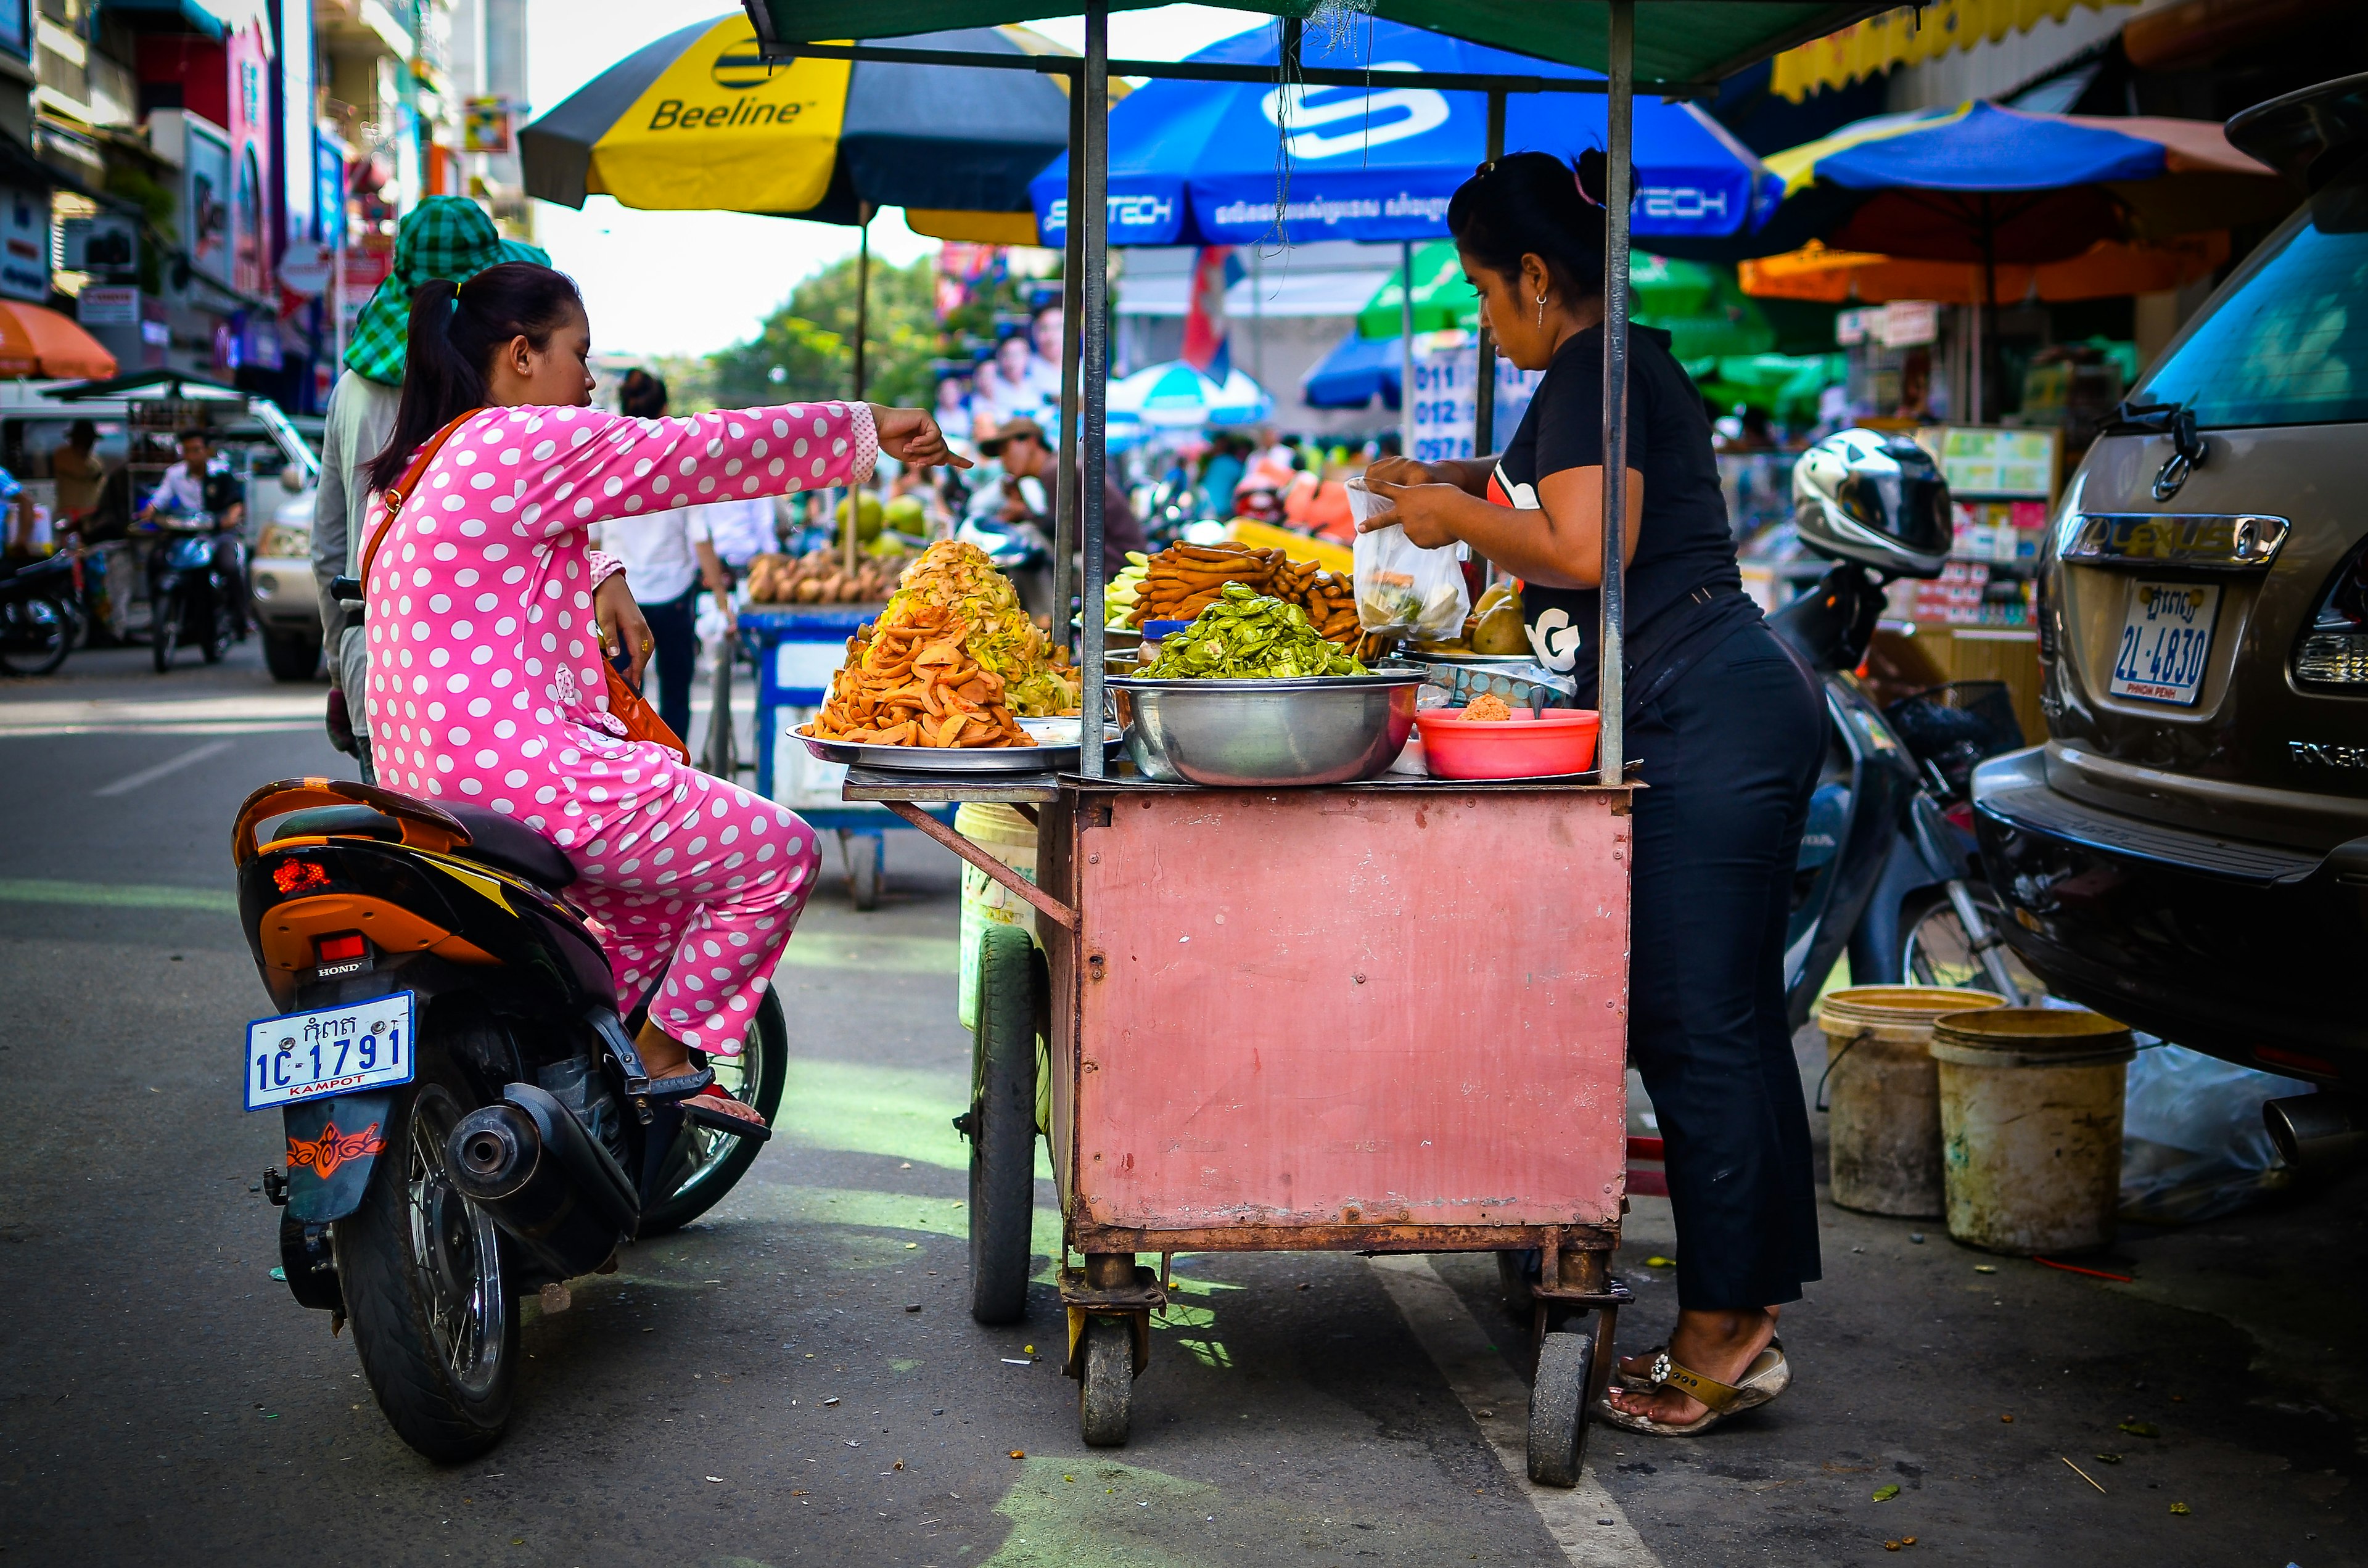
[(1354, 1005)]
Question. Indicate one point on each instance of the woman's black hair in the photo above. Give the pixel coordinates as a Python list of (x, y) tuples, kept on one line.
[(455, 331), (643, 396), (1534, 204)]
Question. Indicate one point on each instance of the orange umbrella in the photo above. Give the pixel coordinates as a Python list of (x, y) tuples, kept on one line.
[(38, 342), (2107, 268)]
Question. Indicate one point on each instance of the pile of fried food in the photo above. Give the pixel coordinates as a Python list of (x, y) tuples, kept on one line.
[(820, 577), (953, 661), (917, 684), (1185, 579), (1488, 708)]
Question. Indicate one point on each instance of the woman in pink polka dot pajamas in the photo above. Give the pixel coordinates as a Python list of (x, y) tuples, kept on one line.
[(487, 620)]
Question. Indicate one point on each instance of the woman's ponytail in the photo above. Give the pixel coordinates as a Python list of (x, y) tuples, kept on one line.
[(456, 329)]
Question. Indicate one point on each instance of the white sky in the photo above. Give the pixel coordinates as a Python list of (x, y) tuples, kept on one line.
[(694, 282)]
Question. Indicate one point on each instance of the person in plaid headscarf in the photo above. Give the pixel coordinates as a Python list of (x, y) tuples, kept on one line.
[(447, 237)]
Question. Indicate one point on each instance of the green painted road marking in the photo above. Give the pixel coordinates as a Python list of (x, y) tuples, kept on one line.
[(892, 1111), (1094, 1517), (33, 890), (786, 1204)]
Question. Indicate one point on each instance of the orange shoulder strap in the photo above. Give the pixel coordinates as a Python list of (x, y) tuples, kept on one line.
[(396, 496)]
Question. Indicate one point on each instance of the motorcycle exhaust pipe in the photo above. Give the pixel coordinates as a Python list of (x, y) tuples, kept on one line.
[(2318, 1133), (530, 1164)]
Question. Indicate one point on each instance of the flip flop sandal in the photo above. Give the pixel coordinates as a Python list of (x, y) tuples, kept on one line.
[(1636, 1382), (698, 1081), (1767, 1377), (716, 1120)]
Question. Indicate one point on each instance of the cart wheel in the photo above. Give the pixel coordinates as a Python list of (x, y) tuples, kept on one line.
[(1105, 1392), (866, 854), (1558, 1408), (1003, 1126)]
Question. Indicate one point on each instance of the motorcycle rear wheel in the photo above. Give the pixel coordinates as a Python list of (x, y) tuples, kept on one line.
[(36, 633), (718, 1160), (1935, 951), (421, 1268), (220, 634), (165, 632)]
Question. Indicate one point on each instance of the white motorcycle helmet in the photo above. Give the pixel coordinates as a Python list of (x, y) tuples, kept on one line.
[(1875, 498)]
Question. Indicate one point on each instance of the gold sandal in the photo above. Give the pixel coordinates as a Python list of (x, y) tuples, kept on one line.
[(1768, 1375)]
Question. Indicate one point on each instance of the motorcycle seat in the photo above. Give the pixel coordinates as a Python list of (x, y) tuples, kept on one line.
[(510, 846)]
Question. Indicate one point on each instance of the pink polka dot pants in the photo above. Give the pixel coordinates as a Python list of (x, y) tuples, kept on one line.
[(695, 895)]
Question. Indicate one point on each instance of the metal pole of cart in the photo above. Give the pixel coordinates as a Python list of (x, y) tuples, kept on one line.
[(1092, 150), (1405, 348), (1483, 392), (1621, 67), (1073, 313)]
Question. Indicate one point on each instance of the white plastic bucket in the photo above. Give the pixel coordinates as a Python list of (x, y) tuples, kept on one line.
[(1883, 1093), (2031, 1126), (1011, 838)]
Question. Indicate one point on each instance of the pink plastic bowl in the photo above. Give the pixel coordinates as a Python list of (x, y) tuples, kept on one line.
[(1562, 740)]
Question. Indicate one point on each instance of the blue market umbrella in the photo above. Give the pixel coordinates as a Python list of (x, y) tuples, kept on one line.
[(1175, 396), (1353, 374), (1196, 163)]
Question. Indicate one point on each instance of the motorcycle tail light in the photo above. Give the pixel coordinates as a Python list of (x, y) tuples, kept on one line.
[(344, 946), (298, 876), (2333, 649)]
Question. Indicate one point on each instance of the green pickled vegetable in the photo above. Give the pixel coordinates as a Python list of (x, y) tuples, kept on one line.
[(1248, 636)]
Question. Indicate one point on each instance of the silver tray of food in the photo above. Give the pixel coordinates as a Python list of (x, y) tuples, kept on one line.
[(1057, 749), (1259, 733)]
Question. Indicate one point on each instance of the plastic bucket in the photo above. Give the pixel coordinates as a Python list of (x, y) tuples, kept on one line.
[(2030, 1127), (1883, 1131), (1011, 838)]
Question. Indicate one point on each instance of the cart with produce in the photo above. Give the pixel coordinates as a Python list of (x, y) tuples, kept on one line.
[(1285, 1000)]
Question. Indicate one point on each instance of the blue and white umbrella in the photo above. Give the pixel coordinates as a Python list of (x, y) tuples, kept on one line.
[(1196, 163), (1175, 396)]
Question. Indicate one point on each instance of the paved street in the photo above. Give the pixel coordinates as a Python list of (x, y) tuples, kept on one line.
[(162, 1399)]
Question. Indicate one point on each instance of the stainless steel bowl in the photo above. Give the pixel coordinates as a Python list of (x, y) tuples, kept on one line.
[(1248, 734)]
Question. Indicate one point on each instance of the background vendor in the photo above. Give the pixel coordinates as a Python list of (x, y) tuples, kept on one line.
[(1729, 731)]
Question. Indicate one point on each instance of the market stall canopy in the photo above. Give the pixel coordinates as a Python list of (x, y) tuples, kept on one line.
[(34, 341), (694, 122), (1359, 370), (1696, 302), (1175, 396), (1195, 163), (1979, 182), (1695, 43), (2106, 270)]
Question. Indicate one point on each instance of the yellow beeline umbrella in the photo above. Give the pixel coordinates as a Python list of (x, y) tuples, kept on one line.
[(695, 122)]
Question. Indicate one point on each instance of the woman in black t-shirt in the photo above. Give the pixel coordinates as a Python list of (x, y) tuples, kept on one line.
[(1728, 729)]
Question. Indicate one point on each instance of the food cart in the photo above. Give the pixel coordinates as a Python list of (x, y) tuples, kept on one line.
[(1371, 1042), (1366, 1042)]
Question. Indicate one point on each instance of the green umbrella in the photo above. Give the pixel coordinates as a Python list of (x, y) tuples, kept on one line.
[(1697, 303)]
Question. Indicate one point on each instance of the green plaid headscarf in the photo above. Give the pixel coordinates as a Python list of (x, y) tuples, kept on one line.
[(444, 236)]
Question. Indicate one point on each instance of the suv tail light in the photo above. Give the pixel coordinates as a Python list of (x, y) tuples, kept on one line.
[(2333, 650)]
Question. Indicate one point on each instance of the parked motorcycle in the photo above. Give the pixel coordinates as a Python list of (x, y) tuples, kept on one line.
[(197, 575), (40, 619), (467, 1118), (1883, 873)]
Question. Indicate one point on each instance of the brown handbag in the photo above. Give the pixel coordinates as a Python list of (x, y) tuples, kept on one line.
[(630, 706)]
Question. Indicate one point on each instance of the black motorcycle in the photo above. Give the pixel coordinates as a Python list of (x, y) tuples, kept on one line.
[(1883, 872), (467, 1119), (196, 577), (41, 620)]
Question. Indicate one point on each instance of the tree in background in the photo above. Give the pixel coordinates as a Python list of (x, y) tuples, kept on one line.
[(807, 348)]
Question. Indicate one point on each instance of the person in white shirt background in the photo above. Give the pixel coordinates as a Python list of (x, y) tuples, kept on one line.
[(1001, 392), (668, 557), (1044, 354)]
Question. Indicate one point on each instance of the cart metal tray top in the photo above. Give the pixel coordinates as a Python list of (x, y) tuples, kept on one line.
[(1385, 1017)]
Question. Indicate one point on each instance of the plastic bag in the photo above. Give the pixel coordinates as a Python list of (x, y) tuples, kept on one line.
[(1403, 589), (2192, 1143)]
